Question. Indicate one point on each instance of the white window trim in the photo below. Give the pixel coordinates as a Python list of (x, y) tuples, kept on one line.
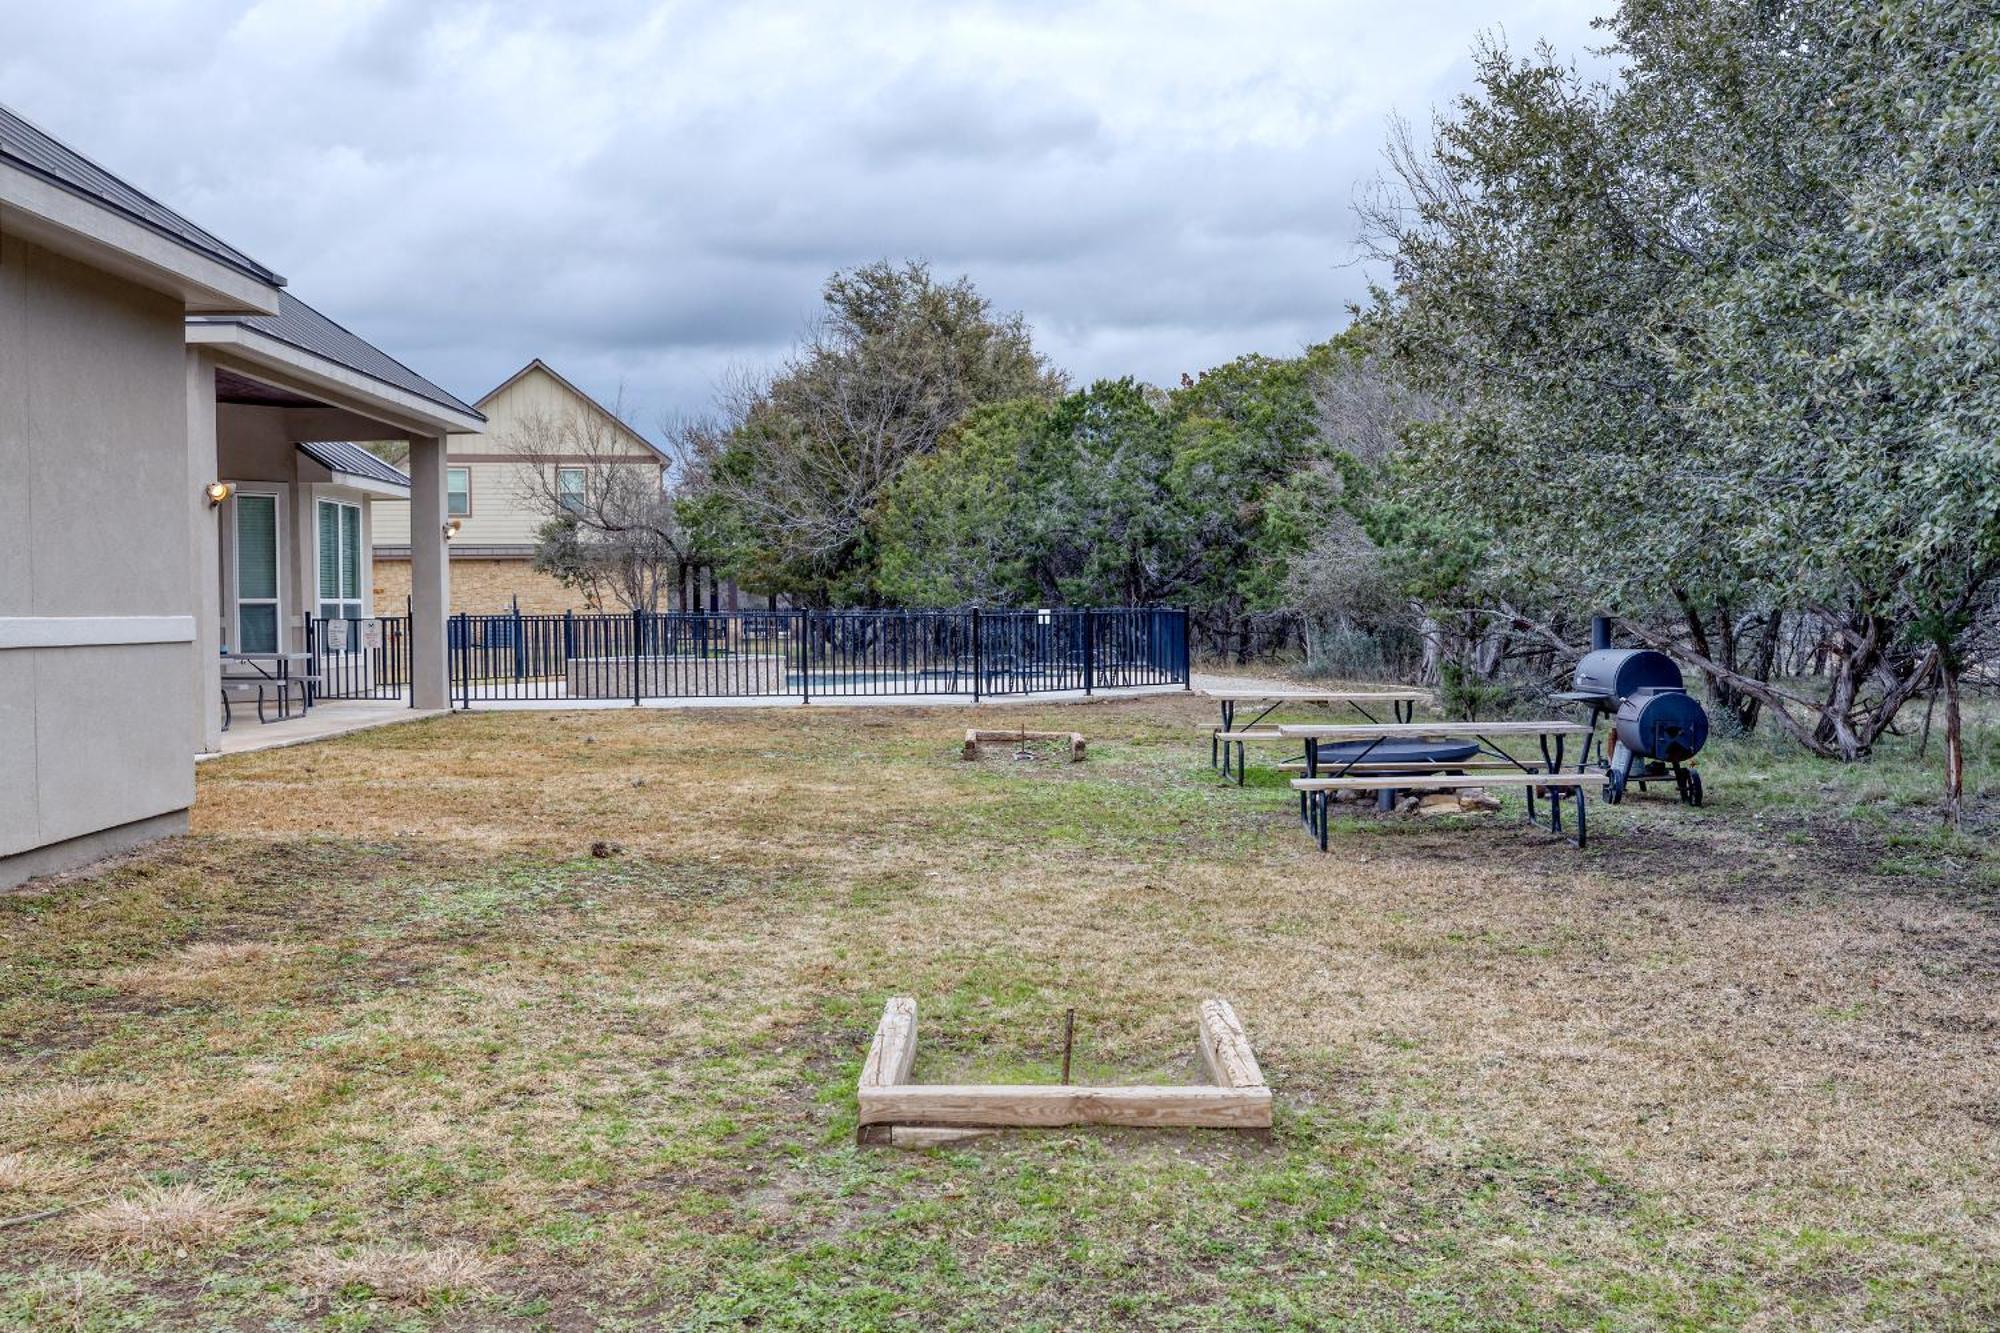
[(232, 630), (362, 571)]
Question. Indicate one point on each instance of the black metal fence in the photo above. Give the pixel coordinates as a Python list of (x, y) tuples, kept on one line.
[(812, 654), (358, 658)]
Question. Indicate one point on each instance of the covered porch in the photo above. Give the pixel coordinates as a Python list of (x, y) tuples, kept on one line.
[(287, 625)]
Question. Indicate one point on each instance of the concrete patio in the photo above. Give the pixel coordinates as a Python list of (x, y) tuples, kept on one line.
[(335, 717)]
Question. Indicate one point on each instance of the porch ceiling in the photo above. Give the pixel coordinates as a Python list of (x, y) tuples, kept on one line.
[(306, 364), (231, 387), (313, 410)]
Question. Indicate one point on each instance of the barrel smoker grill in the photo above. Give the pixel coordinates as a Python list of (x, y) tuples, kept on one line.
[(1657, 727)]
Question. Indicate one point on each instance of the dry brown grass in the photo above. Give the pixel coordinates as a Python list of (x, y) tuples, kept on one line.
[(34, 1174), (1542, 1001), (60, 1111), (400, 1273), (158, 1217), (1707, 1063), (238, 971)]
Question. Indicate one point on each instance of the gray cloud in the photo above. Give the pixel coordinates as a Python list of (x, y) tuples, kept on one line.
[(649, 195)]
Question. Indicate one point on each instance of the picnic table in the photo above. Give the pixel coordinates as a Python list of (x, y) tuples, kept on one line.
[(1402, 705), (273, 670), (1316, 788)]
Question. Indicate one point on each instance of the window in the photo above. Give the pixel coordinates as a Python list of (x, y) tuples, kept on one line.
[(457, 491), (569, 488), (256, 573), (340, 566)]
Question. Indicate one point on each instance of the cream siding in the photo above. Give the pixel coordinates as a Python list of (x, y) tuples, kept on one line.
[(506, 510)]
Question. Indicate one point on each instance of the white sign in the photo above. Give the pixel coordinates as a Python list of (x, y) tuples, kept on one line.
[(371, 634), (336, 635)]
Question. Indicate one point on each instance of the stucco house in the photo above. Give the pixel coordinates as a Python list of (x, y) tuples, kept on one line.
[(543, 437), (145, 364), (293, 542)]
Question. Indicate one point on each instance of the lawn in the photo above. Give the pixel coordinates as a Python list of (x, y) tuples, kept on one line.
[(385, 1045)]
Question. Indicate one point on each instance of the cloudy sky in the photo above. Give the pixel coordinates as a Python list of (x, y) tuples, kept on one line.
[(648, 195)]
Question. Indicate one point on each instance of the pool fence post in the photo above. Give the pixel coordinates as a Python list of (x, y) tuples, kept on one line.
[(1187, 648), (805, 660), (1089, 649)]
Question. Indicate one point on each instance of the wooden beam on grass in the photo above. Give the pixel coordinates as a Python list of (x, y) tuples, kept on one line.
[(894, 1049), (976, 737), (1041, 1105), (918, 1115), (932, 1136), (1225, 1048)]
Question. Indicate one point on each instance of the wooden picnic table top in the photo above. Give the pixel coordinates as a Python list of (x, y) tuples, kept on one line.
[(1319, 696), (1426, 730)]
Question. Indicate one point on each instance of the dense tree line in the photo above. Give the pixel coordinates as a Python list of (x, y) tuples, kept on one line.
[(1709, 343), (1719, 339), (918, 451)]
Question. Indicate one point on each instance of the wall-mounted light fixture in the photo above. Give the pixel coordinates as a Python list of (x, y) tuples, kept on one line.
[(217, 492), (451, 528)]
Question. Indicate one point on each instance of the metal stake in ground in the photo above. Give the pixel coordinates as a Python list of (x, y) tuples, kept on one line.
[(1069, 1040)]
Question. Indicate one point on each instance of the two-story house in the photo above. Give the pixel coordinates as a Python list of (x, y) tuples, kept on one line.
[(543, 438)]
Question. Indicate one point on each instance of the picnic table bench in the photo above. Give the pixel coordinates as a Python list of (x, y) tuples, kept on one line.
[(259, 674), (1401, 705), (1351, 770), (1317, 793)]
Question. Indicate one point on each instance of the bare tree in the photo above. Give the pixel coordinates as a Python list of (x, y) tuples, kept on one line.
[(613, 528), (1340, 585)]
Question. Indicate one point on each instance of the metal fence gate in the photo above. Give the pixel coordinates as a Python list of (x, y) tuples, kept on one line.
[(364, 657)]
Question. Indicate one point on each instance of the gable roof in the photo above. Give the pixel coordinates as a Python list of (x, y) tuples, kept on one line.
[(538, 364), (340, 456), (41, 155), (299, 325)]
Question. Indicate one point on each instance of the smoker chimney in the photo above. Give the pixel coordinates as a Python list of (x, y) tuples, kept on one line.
[(1600, 633)]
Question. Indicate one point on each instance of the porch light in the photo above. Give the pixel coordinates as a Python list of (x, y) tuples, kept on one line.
[(451, 528), (217, 492)]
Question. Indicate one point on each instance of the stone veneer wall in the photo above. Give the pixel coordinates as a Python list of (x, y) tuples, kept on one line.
[(481, 587)]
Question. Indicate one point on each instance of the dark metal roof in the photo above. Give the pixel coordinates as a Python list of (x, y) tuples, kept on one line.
[(340, 456), (299, 325), (37, 153)]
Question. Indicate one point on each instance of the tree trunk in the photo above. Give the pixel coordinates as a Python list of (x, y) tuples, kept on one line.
[(1432, 634), (1954, 744), (1861, 642), (1767, 658)]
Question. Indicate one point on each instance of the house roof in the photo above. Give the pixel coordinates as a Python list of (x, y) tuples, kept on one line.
[(538, 364), (34, 151), (299, 325), (340, 456)]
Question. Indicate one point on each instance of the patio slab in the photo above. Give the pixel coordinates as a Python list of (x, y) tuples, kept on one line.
[(335, 717)]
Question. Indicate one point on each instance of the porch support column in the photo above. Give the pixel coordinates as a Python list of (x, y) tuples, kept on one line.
[(430, 575), (204, 552)]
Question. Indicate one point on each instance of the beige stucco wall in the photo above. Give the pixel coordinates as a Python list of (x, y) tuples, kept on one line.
[(94, 523), (504, 494)]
